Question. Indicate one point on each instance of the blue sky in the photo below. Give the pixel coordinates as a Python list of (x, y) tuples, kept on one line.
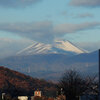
[(25, 21)]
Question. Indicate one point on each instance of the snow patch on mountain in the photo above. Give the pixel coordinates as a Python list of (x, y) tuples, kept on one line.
[(58, 47), (35, 48), (68, 46)]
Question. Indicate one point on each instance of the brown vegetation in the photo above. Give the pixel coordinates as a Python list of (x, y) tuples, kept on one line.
[(16, 83)]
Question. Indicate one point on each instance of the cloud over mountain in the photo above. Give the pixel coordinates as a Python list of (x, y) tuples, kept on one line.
[(17, 3), (40, 31), (86, 3), (72, 28), (45, 31)]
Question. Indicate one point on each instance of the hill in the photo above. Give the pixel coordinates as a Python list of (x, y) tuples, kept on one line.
[(16, 83), (51, 66)]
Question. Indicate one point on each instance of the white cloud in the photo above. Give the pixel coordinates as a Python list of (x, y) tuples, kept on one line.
[(46, 31), (72, 28), (40, 31)]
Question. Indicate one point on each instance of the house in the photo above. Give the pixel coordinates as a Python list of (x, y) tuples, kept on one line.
[(22, 97), (37, 93)]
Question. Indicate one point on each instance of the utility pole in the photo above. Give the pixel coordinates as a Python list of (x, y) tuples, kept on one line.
[(99, 76)]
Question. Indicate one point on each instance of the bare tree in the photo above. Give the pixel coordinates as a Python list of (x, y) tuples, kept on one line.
[(74, 85)]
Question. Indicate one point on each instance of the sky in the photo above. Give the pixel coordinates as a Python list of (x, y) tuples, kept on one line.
[(24, 21)]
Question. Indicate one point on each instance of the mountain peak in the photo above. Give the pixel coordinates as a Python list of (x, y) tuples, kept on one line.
[(68, 46), (59, 46), (35, 48)]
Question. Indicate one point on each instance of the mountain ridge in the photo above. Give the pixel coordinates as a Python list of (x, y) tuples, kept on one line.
[(62, 47), (51, 66), (16, 83)]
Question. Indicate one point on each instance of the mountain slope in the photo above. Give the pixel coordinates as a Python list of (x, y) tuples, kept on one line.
[(35, 48), (51, 66), (62, 47), (17, 83), (68, 46)]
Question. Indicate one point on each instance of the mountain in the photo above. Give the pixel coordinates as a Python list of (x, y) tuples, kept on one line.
[(16, 83), (51, 61), (68, 46), (41, 65), (59, 47), (52, 66)]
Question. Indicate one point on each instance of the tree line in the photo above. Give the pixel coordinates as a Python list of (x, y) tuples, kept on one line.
[(74, 85)]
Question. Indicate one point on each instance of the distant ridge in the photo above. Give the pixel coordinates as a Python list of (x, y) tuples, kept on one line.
[(51, 66), (63, 47)]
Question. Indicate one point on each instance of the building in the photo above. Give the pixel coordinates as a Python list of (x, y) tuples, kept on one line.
[(3, 96), (37, 93), (22, 97)]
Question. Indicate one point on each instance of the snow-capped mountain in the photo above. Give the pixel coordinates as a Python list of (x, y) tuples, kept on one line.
[(68, 46), (64, 47), (37, 48)]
